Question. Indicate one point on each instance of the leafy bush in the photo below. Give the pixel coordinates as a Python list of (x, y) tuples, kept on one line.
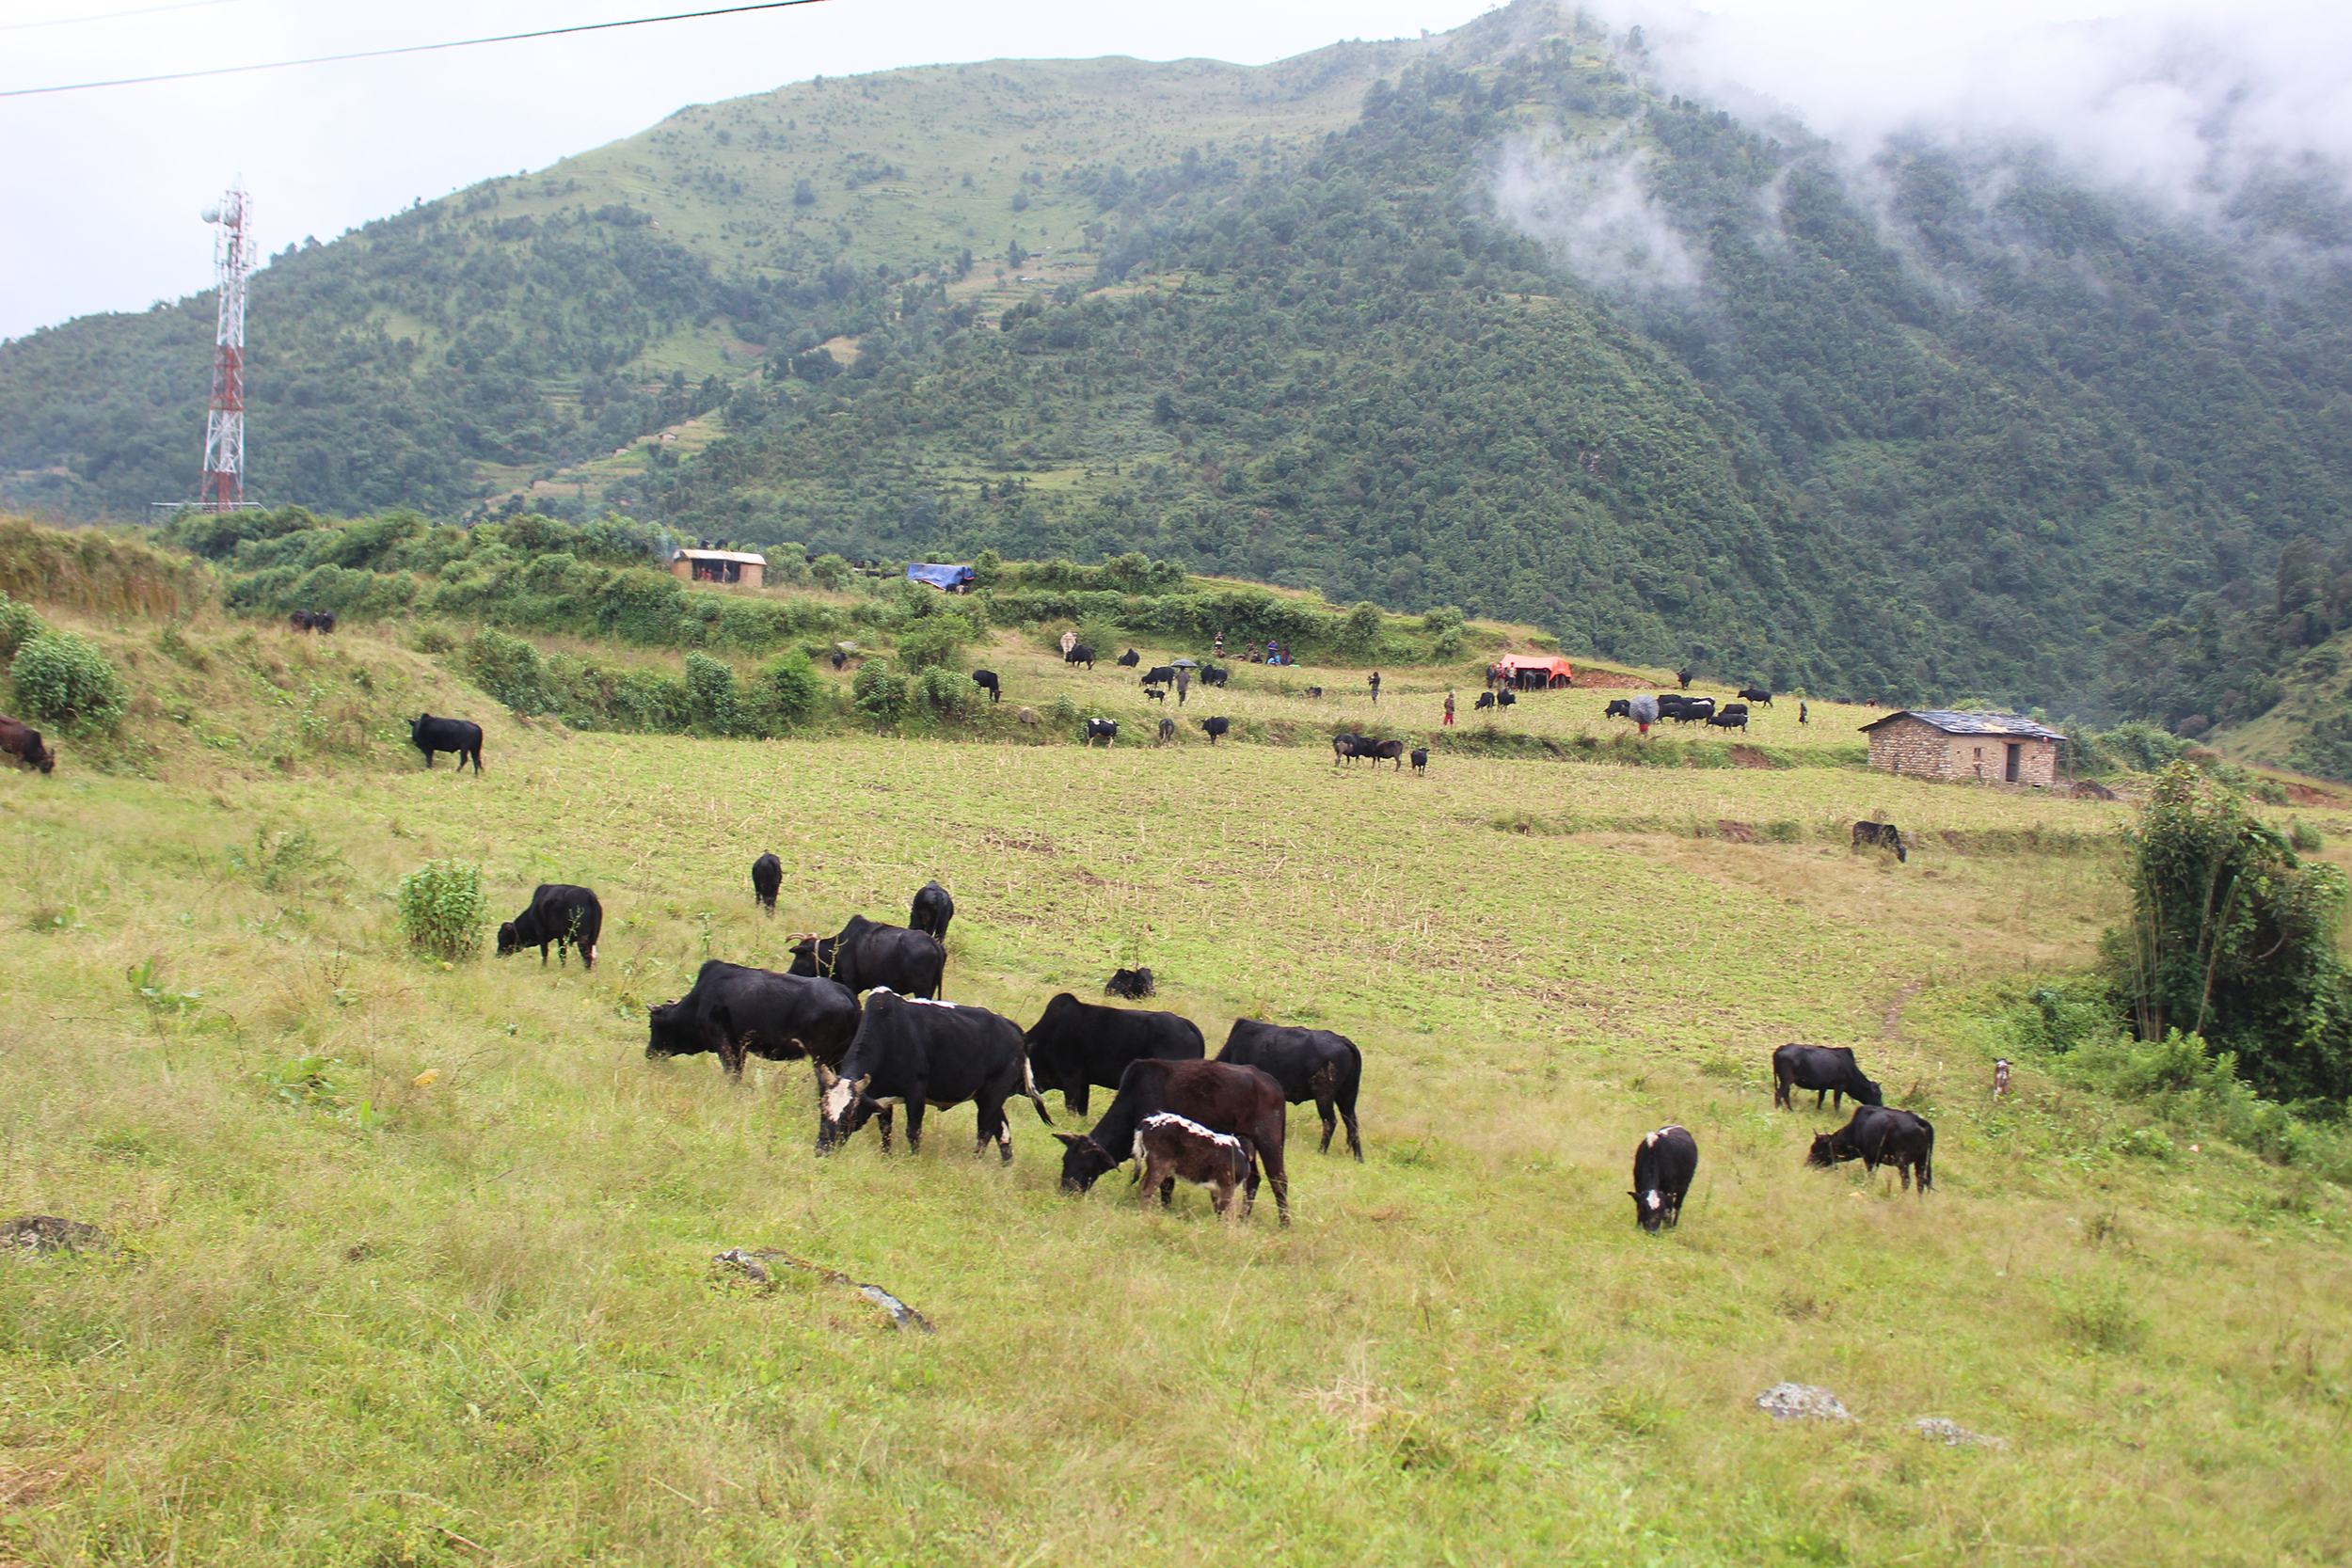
[(507, 668), (18, 625), (831, 572), (2140, 747), (66, 681), (710, 695), (1064, 712), (948, 693), (934, 642), (2306, 839), (878, 694), (792, 688), (442, 910)]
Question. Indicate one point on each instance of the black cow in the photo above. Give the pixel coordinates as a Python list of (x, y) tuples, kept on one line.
[(1664, 1163), (1215, 727), (1223, 1096), (926, 1057), (430, 735), (1826, 1070), (1754, 694), (1881, 835), (1729, 721), (1171, 1148), (839, 658), (1421, 759), (1155, 693), (1080, 655), (932, 909), (1699, 708), (986, 681), (299, 620), (1159, 674), (1683, 678), (1383, 750), (1671, 703), (1877, 1136), (1506, 697), (323, 621), (1130, 659), (1485, 699), (1343, 746), (868, 954), (1168, 730), (1075, 1044), (736, 1012), (1618, 708), (557, 915), (767, 876), (23, 742), (1104, 730), (1132, 984), (1310, 1064), (1315, 691), (1213, 674)]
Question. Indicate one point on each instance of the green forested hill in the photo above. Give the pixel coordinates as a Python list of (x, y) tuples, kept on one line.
[(1894, 437)]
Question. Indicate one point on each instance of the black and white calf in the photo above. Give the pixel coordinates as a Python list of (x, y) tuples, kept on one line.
[(1172, 1148), (1664, 1163)]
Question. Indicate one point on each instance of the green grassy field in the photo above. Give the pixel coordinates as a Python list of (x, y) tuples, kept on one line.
[(448, 1296)]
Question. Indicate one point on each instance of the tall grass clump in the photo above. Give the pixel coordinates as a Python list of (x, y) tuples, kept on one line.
[(442, 910), (64, 680)]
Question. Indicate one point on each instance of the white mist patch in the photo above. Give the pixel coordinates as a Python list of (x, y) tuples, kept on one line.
[(1590, 203)]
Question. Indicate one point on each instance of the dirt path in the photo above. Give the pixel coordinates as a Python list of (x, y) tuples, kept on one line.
[(1891, 1024)]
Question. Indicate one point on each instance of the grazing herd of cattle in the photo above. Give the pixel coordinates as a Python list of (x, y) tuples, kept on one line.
[(1178, 1113)]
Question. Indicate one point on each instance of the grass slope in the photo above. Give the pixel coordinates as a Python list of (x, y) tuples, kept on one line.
[(477, 1319)]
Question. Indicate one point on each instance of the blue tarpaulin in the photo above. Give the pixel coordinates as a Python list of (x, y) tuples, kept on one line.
[(940, 577)]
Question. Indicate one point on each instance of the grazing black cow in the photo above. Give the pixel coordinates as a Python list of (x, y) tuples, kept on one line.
[(1729, 721), (767, 876), (932, 909), (740, 1012), (1155, 693), (1754, 694), (430, 735), (1485, 699), (986, 681), (1383, 750), (23, 742), (868, 954), (1223, 1096), (1733, 707), (1877, 1136), (1104, 730), (1315, 691), (1506, 697), (1683, 678), (1160, 674), (323, 621), (299, 620), (1130, 659), (1618, 708), (1171, 1148), (1310, 1064), (1074, 1044), (1168, 730), (1215, 727), (926, 1057), (1421, 759), (557, 915), (1664, 1163), (1884, 835), (1826, 1070), (1080, 655), (839, 658), (1213, 674), (1132, 984)]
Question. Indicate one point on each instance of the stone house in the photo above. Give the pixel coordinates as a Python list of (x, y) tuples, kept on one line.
[(1980, 748)]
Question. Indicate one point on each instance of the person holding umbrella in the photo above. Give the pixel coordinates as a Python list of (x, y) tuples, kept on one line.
[(1185, 668)]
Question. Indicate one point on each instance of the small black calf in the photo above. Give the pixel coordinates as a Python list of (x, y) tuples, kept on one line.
[(1664, 1163), (1132, 984), (767, 876), (1487, 699), (1421, 759)]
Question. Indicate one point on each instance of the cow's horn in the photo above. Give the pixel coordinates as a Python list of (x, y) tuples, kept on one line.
[(825, 1077), (863, 1082)]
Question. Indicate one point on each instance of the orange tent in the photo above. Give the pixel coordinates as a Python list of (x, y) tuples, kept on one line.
[(1555, 670)]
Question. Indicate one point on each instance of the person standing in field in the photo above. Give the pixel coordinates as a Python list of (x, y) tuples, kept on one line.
[(1183, 686), (1449, 707), (1375, 684), (1220, 646), (1804, 717), (1069, 641)]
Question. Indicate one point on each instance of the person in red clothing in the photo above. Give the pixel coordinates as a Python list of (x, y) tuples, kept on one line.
[(1449, 707)]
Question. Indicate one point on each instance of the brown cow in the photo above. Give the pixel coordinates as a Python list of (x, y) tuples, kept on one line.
[(1171, 1147), (1223, 1096), (23, 742)]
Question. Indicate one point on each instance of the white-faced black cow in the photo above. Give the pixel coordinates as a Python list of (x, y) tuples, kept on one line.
[(1172, 1148), (1826, 1070), (1104, 730), (430, 735), (557, 915), (926, 1057), (1076, 1044), (1884, 835), (736, 1012), (1310, 1064), (867, 954), (1223, 1096), (932, 909), (986, 681), (1348, 747), (1664, 1163), (1877, 1136), (766, 877)]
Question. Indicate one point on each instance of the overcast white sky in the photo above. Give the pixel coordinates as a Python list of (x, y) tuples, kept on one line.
[(102, 188)]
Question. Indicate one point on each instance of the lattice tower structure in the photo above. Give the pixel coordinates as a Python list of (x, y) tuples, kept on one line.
[(224, 427)]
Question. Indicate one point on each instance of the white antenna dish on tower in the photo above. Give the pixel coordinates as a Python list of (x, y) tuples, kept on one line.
[(211, 215)]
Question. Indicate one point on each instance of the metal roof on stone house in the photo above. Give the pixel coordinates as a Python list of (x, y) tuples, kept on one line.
[(2014, 726)]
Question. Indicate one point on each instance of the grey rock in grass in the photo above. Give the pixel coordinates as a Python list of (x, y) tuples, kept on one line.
[(1801, 1402), (38, 1235), (761, 1267), (1939, 1429)]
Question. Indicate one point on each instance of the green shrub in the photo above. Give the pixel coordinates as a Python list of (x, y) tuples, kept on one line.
[(934, 642), (1064, 712), (949, 693), (831, 572), (2270, 792), (880, 695), (2306, 839), (66, 681), (442, 911), (509, 669), (18, 625), (710, 695), (792, 688)]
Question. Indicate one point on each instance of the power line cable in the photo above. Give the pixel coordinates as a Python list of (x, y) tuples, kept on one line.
[(108, 16), (405, 49)]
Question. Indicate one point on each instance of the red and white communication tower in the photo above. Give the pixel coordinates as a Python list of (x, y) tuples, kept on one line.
[(224, 430)]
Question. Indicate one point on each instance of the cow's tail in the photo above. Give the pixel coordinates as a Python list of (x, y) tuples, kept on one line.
[(1028, 1086)]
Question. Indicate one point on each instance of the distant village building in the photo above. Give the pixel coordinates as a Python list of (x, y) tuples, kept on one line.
[(719, 566), (1980, 748)]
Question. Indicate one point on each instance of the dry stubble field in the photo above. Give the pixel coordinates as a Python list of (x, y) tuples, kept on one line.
[(365, 1319)]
